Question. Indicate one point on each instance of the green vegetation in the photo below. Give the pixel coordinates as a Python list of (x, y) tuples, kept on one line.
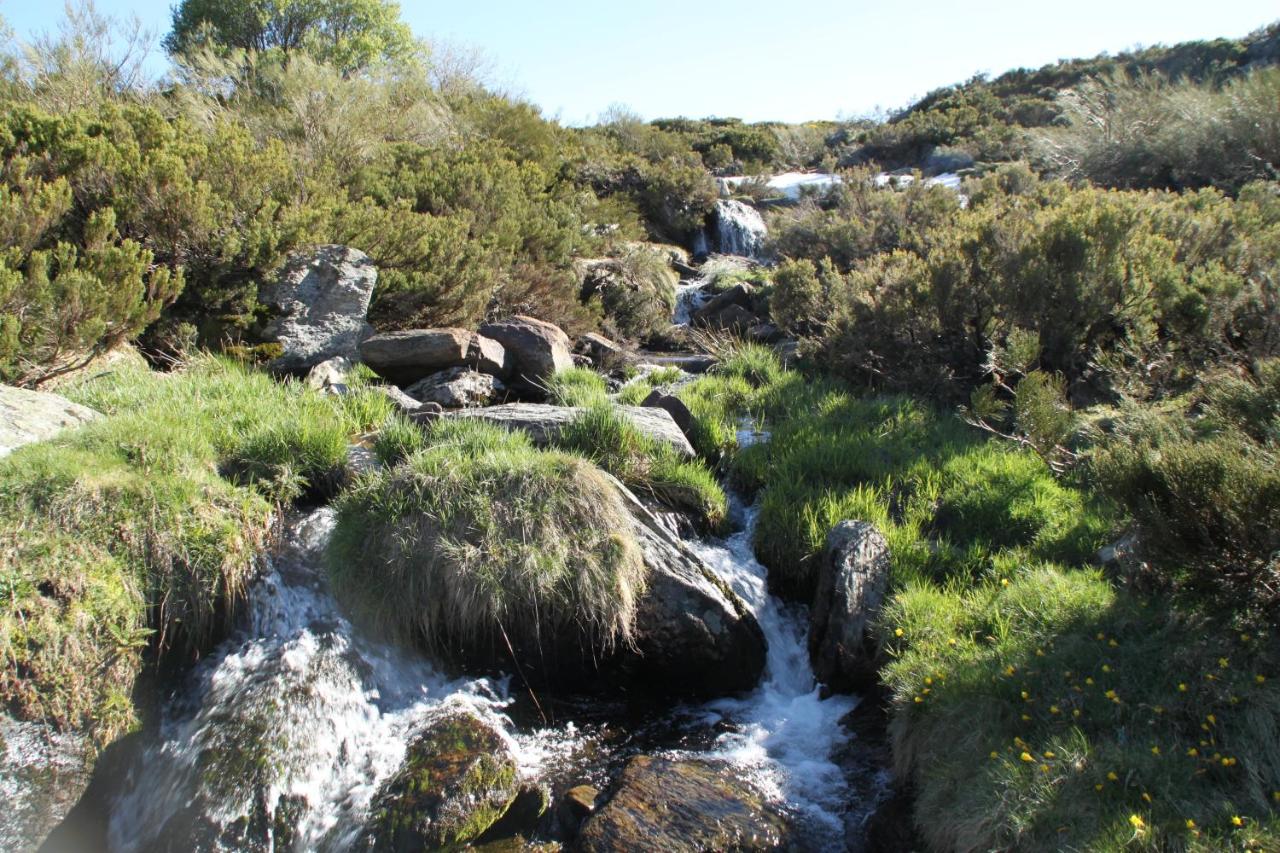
[(132, 537), (649, 466), (350, 34), (478, 540), (1024, 706)]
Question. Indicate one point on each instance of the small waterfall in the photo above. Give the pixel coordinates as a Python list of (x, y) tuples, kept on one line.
[(300, 718), (294, 723), (740, 229)]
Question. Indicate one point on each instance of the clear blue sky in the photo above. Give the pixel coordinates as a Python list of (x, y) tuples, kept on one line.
[(759, 60)]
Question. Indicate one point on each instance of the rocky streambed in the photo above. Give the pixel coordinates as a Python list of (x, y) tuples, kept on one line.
[(304, 732)]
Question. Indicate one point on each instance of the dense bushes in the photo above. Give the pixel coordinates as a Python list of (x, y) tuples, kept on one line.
[(1205, 486), (1124, 292)]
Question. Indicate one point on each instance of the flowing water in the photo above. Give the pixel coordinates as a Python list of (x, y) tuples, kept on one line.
[(296, 721), (740, 229)]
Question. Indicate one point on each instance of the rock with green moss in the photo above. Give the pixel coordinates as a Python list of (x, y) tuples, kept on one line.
[(683, 806), (457, 779)]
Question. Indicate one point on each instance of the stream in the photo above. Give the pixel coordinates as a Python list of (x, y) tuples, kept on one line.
[(293, 723), (288, 730)]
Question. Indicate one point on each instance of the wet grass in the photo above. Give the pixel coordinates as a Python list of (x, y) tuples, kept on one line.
[(131, 538)]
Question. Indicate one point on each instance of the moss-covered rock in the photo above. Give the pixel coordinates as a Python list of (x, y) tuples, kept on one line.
[(677, 806), (457, 779)]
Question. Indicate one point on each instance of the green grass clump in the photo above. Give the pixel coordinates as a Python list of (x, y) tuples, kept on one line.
[(577, 386), (1030, 714), (479, 539), (139, 530), (604, 435)]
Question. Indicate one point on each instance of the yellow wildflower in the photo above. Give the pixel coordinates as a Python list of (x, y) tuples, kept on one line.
[(1261, 679), (1026, 756), (1155, 750), (1191, 824), (1182, 687), (1223, 663), (1053, 709), (1138, 823), (897, 632), (1111, 775), (1112, 643), (1236, 820)]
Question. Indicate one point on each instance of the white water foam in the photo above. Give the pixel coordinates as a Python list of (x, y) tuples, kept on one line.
[(327, 710), (786, 733)]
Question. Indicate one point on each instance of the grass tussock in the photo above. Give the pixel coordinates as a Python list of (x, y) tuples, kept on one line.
[(605, 436), (138, 531), (478, 540)]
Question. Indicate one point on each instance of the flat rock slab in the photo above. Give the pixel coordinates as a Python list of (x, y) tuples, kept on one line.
[(29, 416), (544, 422), (683, 806)]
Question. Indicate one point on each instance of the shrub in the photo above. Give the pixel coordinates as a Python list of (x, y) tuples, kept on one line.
[(1207, 494), (479, 540), (636, 292)]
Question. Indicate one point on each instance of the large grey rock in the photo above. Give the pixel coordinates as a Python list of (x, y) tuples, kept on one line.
[(732, 318), (538, 349), (740, 295), (457, 388), (318, 306), (398, 398), (28, 416), (458, 778), (852, 581), (683, 806), (672, 405), (407, 356), (544, 422), (693, 636), (598, 348)]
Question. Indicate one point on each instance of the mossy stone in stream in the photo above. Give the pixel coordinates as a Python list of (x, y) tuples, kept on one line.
[(457, 779), (682, 806)]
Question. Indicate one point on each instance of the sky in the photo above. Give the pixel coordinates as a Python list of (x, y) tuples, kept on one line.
[(785, 61)]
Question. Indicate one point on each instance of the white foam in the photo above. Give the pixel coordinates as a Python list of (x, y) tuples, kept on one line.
[(786, 733)]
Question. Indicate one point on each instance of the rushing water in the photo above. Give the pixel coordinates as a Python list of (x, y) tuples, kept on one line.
[(740, 229), (304, 715)]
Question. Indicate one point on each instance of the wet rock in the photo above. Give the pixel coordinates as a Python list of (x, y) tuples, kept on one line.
[(42, 775), (457, 779), (522, 817), (764, 333), (544, 422), (538, 350), (458, 388), (672, 405), (575, 806), (733, 318), (852, 581), (29, 416), (407, 356), (694, 636), (318, 306), (683, 805), (330, 376)]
